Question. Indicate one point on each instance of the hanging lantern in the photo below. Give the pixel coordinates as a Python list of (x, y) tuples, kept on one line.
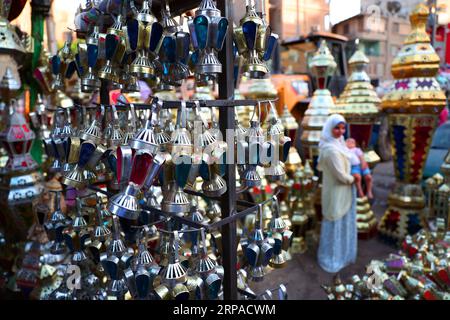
[(282, 237), (208, 32), (258, 251), (146, 138), (125, 204), (89, 81), (144, 39), (209, 271), (413, 106), (78, 177), (175, 176), (255, 42), (114, 261), (174, 54)]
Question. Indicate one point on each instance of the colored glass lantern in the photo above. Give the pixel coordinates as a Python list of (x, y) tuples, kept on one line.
[(413, 106)]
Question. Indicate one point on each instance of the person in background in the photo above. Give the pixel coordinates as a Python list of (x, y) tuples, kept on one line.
[(338, 235)]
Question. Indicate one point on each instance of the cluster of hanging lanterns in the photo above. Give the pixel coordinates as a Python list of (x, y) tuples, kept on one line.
[(158, 171)]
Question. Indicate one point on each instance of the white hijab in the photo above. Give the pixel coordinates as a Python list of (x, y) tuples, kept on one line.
[(328, 141)]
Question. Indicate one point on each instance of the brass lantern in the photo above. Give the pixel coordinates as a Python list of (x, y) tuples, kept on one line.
[(321, 106), (19, 176), (359, 105), (208, 37), (413, 106), (255, 42)]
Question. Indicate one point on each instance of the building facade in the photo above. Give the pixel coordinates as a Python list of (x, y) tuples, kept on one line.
[(380, 37), (291, 18)]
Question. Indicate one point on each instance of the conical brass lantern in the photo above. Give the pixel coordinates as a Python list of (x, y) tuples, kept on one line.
[(321, 106), (359, 105)]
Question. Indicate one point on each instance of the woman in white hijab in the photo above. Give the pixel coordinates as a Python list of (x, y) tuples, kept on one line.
[(338, 236)]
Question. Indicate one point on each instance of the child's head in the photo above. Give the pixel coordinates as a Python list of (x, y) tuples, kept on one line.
[(351, 143)]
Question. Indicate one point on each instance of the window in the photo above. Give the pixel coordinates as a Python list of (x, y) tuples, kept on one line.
[(371, 48), (346, 28), (361, 25)]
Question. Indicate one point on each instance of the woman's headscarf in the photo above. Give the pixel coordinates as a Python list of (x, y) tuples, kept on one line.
[(328, 140)]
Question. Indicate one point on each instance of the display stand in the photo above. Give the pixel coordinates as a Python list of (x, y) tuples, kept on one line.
[(228, 201)]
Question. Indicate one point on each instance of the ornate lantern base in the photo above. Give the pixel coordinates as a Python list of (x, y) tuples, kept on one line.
[(366, 220), (404, 215), (22, 189)]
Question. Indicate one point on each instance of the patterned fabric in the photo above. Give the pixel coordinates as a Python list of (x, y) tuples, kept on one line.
[(338, 241)]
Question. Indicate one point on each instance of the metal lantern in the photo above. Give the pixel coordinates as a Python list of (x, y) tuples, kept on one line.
[(255, 42), (209, 271), (359, 105), (289, 123), (19, 176), (144, 40), (63, 66), (259, 250), (143, 270), (175, 175), (115, 261), (413, 106), (12, 50), (208, 32), (80, 176), (174, 275), (322, 66), (132, 172), (174, 54), (146, 137), (281, 235), (89, 80)]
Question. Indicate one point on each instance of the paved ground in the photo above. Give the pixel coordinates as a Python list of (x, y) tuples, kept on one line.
[(303, 276)]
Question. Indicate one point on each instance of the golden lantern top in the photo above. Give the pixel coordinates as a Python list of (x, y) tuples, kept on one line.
[(322, 65), (415, 89), (359, 99), (288, 120)]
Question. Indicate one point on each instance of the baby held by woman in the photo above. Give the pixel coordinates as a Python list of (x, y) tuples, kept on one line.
[(360, 169)]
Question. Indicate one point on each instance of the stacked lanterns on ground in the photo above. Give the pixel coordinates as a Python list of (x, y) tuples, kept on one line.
[(438, 193), (419, 271), (412, 105), (359, 105)]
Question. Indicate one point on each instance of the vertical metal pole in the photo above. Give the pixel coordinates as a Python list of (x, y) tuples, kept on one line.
[(104, 98), (226, 121)]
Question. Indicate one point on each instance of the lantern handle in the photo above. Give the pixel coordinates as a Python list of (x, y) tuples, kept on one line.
[(276, 206), (181, 116), (204, 249), (198, 114), (132, 114), (175, 238)]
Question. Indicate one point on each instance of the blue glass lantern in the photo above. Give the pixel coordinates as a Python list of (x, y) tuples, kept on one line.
[(208, 31), (255, 42)]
